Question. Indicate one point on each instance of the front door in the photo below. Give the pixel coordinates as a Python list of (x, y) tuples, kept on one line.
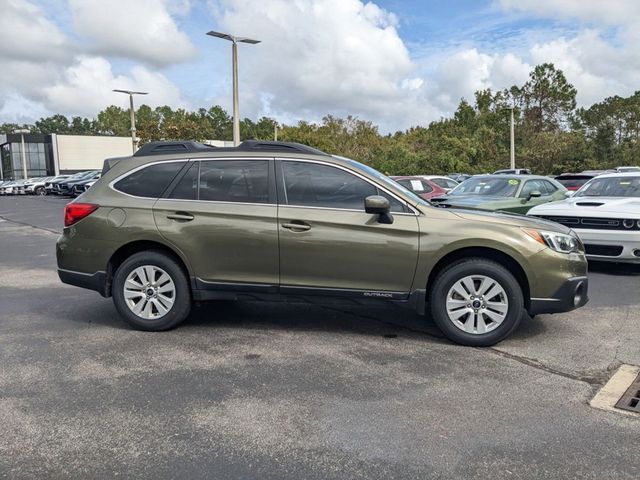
[(222, 214), (328, 242)]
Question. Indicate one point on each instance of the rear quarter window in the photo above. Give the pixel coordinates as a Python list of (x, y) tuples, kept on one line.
[(151, 181)]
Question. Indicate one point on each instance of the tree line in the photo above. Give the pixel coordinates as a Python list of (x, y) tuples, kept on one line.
[(552, 135)]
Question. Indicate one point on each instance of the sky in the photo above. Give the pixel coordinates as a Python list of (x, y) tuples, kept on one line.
[(398, 63)]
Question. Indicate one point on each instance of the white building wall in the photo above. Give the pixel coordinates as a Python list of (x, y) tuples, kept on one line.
[(80, 152)]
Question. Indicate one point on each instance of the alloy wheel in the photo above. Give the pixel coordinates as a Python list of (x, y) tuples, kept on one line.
[(477, 304), (149, 292)]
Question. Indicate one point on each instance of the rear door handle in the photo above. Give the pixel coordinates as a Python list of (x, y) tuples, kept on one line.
[(297, 226), (181, 216)]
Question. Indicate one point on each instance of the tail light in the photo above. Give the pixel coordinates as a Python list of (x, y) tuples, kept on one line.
[(74, 212)]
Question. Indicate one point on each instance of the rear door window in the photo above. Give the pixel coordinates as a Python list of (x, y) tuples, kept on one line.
[(151, 181), (245, 181)]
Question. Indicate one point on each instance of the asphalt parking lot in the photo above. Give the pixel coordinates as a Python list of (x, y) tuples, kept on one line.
[(262, 390)]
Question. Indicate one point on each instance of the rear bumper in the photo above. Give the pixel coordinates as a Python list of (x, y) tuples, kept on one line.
[(91, 281), (571, 295)]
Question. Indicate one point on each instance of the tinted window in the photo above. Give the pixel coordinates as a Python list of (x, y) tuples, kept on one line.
[(314, 185), (395, 204), (187, 187), (235, 181), (151, 181)]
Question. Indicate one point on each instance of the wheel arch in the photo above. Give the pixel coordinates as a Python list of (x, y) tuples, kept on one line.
[(497, 256), (136, 246)]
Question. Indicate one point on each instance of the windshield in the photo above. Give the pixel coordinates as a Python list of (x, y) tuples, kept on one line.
[(386, 180), (611, 187), (494, 186)]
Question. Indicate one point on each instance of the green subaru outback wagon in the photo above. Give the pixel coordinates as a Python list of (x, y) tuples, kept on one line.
[(180, 222)]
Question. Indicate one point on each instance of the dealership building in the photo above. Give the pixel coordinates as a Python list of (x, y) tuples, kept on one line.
[(46, 155)]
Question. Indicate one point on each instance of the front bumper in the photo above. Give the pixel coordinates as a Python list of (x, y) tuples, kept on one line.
[(626, 244), (572, 294)]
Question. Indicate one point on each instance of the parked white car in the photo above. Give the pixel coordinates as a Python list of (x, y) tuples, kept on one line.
[(35, 186), (605, 213)]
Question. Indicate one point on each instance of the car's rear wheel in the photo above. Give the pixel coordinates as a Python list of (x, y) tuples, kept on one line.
[(151, 291), (40, 191), (476, 302)]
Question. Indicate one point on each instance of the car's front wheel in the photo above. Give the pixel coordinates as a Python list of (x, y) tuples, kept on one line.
[(40, 191), (151, 291), (476, 302)]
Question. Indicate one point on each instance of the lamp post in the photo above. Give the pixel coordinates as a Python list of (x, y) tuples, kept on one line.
[(22, 131), (234, 67), (132, 112), (512, 153), (513, 142)]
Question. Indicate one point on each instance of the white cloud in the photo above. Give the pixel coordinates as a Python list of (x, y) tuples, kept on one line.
[(602, 59), (616, 12), (316, 57), (466, 71), (137, 29), (26, 34), (332, 56), (86, 88), (43, 72)]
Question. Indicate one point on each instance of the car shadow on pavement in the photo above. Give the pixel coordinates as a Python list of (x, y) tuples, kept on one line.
[(385, 321), (389, 321)]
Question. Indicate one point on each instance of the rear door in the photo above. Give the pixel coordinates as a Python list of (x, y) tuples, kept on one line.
[(222, 215), (328, 244)]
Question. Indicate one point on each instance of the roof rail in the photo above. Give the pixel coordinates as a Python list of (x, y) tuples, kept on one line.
[(190, 146), (271, 146), (160, 148)]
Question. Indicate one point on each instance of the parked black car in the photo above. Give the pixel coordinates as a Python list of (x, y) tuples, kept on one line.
[(49, 186), (66, 187), (82, 186)]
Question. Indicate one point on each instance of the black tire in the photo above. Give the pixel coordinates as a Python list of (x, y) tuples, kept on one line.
[(181, 300), (476, 266), (40, 191)]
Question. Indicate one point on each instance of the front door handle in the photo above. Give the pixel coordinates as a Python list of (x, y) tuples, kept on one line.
[(297, 226), (181, 216)]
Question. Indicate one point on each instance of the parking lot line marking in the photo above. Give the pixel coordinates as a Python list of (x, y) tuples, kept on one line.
[(617, 385)]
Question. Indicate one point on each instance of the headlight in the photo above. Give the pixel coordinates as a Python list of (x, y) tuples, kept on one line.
[(559, 242)]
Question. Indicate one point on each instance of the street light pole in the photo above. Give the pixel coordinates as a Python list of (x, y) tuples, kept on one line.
[(236, 100), (513, 142), (22, 131), (234, 69), (132, 113)]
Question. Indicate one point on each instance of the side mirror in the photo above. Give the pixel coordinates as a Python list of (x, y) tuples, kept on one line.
[(380, 206), (569, 193), (534, 194)]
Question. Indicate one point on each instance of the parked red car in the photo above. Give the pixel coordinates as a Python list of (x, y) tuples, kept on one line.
[(420, 186), (573, 181)]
